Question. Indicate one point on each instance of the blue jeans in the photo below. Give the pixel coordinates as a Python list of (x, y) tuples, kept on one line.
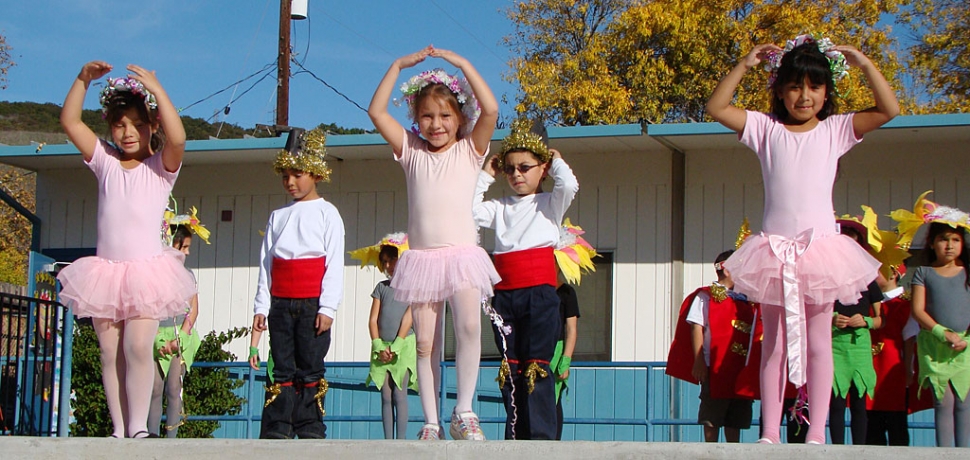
[(297, 350)]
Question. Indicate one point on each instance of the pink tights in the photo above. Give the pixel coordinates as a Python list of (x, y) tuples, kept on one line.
[(819, 372), (127, 372), (428, 331)]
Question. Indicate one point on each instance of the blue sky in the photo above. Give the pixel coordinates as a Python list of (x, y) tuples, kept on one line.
[(198, 47)]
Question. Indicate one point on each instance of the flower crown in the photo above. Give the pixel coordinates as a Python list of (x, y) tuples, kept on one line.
[(837, 63), (307, 155), (459, 86), (190, 220), (116, 85), (370, 255), (574, 254), (521, 137), (927, 212)]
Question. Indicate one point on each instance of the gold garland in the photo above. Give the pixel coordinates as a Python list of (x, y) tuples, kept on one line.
[(504, 372), (274, 390), (322, 388), (743, 233), (532, 372), (718, 292), (308, 158), (522, 138)]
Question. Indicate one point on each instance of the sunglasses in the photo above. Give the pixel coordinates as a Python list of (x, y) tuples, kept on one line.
[(509, 169)]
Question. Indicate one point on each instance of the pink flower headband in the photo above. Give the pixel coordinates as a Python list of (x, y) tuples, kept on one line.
[(837, 62), (459, 86), (116, 85)]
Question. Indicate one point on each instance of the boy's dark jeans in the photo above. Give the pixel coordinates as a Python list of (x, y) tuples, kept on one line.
[(298, 352)]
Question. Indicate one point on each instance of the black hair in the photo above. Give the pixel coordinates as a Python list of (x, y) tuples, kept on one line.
[(119, 103), (937, 229), (721, 258), (804, 61), (387, 251), (179, 234)]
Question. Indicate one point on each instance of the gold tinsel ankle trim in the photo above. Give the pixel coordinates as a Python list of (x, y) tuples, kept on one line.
[(504, 371), (531, 372), (274, 390), (322, 388)]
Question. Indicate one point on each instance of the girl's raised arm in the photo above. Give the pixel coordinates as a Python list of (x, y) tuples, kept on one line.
[(719, 105), (886, 108), (174, 148), (79, 133), (485, 126), (390, 129)]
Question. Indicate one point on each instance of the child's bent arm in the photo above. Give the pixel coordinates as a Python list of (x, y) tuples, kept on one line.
[(174, 148), (919, 308), (887, 106), (406, 322), (485, 126), (719, 106), (79, 133), (390, 129)]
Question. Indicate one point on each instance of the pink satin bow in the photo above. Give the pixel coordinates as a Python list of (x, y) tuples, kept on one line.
[(788, 250)]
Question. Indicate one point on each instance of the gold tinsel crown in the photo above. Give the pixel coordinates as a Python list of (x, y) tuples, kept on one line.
[(522, 138), (304, 153)]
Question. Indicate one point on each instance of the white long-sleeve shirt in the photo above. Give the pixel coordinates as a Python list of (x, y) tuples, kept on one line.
[(526, 222), (304, 230)]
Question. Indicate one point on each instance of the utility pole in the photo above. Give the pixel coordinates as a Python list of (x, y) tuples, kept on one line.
[(283, 67)]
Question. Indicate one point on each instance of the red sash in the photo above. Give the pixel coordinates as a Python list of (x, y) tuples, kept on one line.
[(526, 268), (297, 278)]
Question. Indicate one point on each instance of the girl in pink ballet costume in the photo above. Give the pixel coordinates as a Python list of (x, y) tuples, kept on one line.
[(441, 163), (800, 265), (134, 280)]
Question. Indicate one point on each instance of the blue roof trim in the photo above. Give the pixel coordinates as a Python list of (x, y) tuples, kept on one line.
[(686, 129), (566, 132)]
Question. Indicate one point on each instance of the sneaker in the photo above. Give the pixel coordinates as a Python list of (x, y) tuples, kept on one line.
[(465, 426), (430, 432)]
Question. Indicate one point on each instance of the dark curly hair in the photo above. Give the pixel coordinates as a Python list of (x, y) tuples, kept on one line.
[(120, 102)]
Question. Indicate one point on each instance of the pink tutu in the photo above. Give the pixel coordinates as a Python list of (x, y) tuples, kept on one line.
[(158, 287), (434, 275), (833, 267)]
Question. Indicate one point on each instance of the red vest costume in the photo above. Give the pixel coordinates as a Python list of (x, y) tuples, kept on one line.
[(887, 359), (731, 325), (526, 268), (297, 278)]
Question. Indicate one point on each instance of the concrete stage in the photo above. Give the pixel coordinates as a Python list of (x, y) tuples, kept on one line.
[(211, 449)]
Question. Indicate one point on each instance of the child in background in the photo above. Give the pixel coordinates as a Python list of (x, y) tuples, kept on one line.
[(300, 287), (941, 306), (175, 355), (393, 356), (852, 350), (886, 409), (799, 265), (719, 322), (455, 120), (134, 280), (563, 357), (527, 229)]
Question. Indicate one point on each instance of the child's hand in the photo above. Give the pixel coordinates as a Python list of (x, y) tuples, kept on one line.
[(259, 323), (146, 77), (700, 369), (956, 342), (857, 321), (323, 323), (759, 53), (413, 59), (840, 321), (555, 154), (562, 377), (254, 362), (491, 165), (449, 56), (853, 56), (93, 71), (169, 348)]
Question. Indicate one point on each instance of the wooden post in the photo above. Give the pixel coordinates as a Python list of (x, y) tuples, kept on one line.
[(283, 67)]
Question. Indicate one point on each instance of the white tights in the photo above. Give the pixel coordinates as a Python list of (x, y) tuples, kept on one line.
[(428, 332), (127, 372)]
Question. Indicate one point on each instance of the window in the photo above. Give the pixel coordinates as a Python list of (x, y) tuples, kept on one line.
[(594, 340)]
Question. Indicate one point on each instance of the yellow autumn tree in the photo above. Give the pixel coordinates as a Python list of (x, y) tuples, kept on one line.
[(629, 61), (940, 60), (5, 61)]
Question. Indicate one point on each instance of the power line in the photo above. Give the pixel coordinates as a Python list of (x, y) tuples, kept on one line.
[(472, 35), (328, 85), (362, 37), (272, 64), (267, 74)]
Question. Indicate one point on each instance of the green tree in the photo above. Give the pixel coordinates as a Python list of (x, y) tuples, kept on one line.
[(6, 62), (629, 61), (940, 60), (15, 229)]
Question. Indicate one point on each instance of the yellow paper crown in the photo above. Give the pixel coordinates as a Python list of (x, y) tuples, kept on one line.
[(574, 254), (926, 212), (885, 245), (308, 156), (743, 233), (370, 255), (190, 220)]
